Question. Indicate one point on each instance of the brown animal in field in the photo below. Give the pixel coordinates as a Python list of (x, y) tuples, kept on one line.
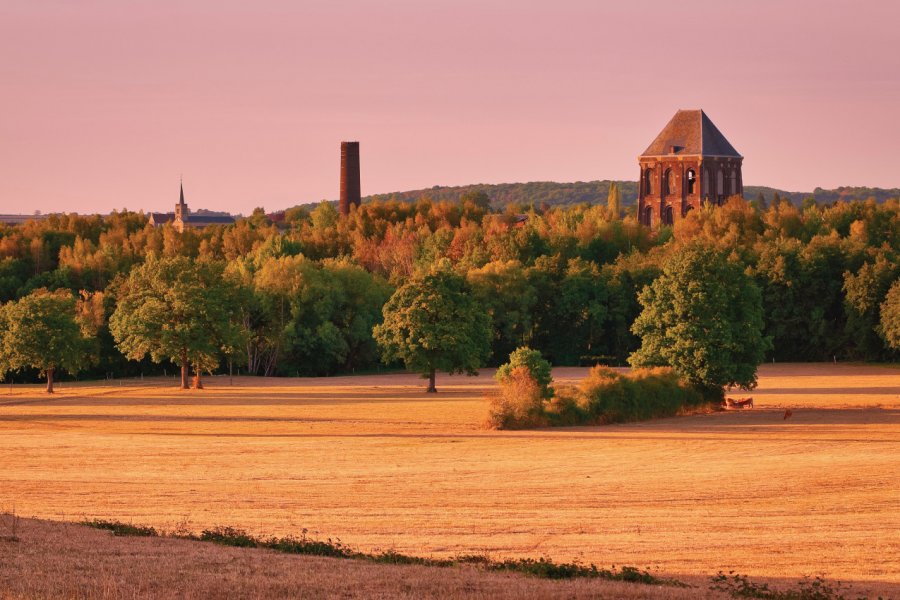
[(788, 414), (739, 403)]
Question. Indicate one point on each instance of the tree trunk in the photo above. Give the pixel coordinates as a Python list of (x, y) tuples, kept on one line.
[(184, 371), (431, 389), (50, 380), (198, 383)]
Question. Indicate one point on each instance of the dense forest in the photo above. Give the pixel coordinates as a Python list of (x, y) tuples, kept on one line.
[(550, 193), (310, 288)]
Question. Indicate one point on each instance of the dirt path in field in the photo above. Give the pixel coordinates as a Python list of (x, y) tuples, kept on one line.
[(375, 461)]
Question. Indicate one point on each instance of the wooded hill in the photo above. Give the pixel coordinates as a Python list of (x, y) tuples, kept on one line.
[(596, 192)]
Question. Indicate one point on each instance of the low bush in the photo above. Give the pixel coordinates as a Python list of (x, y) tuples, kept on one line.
[(564, 409), (740, 586), (518, 403), (537, 366), (612, 397)]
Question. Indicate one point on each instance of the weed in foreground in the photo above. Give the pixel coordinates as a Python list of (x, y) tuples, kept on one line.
[(547, 569), (816, 588), (122, 529), (543, 568)]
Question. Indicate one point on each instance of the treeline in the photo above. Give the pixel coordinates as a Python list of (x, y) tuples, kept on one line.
[(550, 193), (536, 193), (563, 280)]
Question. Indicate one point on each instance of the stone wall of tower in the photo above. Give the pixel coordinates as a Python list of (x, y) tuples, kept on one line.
[(350, 187), (672, 186)]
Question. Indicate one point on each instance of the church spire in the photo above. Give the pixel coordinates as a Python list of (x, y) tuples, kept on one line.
[(181, 209)]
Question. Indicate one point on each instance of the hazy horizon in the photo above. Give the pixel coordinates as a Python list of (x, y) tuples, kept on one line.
[(105, 105)]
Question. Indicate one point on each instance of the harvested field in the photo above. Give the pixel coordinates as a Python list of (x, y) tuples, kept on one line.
[(378, 463)]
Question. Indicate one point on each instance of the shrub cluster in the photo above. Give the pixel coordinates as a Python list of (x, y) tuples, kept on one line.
[(519, 402), (607, 396), (525, 399)]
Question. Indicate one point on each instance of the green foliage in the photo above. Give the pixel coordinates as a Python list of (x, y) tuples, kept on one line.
[(613, 203), (611, 397), (571, 309), (506, 292), (535, 193), (118, 528), (889, 325), (535, 364), (434, 323), (554, 270), (864, 294), (545, 568), (703, 317), (740, 586), (605, 396), (321, 313), (180, 310), (41, 331)]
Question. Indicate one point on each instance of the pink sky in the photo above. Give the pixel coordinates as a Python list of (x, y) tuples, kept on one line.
[(103, 103)]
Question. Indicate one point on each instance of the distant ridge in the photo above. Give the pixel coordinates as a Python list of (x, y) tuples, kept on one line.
[(596, 192)]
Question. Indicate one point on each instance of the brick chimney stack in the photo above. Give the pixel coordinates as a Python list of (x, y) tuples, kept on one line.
[(350, 190)]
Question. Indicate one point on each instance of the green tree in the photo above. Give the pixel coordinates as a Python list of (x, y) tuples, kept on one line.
[(613, 204), (890, 317), (864, 292), (434, 323), (179, 310), (322, 313), (534, 363), (503, 289), (702, 317), (42, 331)]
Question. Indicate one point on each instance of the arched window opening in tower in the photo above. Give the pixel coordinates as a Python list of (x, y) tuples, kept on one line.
[(669, 216), (648, 182), (691, 181)]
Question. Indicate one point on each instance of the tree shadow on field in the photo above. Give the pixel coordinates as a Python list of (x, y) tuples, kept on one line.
[(846, 391), (203, 398)]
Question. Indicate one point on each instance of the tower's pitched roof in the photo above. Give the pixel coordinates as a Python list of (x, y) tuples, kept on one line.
[(181, 195), (691, 133)]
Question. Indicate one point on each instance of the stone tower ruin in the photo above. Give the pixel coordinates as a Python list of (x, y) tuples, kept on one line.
[(350, 190), (689, 164)]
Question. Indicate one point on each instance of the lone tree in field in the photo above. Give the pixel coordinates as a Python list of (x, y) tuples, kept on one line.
[(179, 310), (433, 323), (702, 317), (41, 331)]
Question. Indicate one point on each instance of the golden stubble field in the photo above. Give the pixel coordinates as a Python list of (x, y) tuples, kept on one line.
[(380, 464)]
